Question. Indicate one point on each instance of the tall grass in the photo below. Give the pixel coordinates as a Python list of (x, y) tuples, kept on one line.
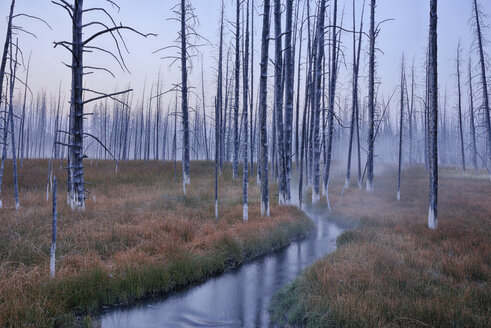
[(139, 237), (392, 271)]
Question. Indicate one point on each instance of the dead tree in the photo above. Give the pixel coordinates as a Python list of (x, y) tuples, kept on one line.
[(289, 85), (459, 104), (482, 63), (472, 120), (433, 115), (236, 94), (371, 98), (278, 102), (245, 150), (319, 57), (77, 47), (401, 122), (332, 95), (263, 109), (354, 100)]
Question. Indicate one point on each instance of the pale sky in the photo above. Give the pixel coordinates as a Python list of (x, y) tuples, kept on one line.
[(406, 33)]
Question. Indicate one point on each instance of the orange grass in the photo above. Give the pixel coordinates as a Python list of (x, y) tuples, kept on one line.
[(392, 271), (139, 237)]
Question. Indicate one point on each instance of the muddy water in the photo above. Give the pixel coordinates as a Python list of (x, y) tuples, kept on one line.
[(237, 298)]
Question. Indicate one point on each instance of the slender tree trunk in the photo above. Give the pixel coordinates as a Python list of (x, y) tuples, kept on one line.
[(484, 82), (433, 96), (401, 131), (289, 85), (354, 100), (184, 100), (76, 168), (236, 98), (317, 100), (278, 100), (263, 109), (371, 98), (459, 95), (471, 120), (245, 76), (332, 95)]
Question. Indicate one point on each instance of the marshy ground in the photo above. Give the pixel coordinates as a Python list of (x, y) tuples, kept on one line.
[(139, 237), (392, 271)]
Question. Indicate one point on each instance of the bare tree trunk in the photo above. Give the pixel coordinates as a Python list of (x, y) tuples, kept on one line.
[(317, 100), (76, 169), (184, 100), (459, 94), (245, 76), (354, 100), (471, 119), (371, 98), (13, 71), (23, 118), (484, 81), (263, 109), (401, 121), (52, 261), (332, 95), (433, 96), (289, 85), (278, 101), (8, 39), (236, 98), (204, 113), (252, 123)]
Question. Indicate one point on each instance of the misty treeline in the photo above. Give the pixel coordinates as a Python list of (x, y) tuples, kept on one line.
[(307, 95)]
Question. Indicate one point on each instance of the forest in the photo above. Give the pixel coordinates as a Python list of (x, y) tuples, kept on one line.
[(245, 163)]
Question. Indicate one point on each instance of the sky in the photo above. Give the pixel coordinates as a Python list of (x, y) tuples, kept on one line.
[(406, 33)]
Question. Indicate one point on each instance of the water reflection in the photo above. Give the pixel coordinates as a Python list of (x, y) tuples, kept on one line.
[(238, 298)]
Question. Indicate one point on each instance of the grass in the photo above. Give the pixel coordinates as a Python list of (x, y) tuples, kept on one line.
[(392, 271), (139, 237)]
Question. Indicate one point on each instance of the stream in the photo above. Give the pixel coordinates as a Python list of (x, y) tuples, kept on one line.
[(236, 298)]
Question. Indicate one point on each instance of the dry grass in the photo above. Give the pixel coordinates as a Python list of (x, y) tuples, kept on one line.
[(139, 237), (392, 271)]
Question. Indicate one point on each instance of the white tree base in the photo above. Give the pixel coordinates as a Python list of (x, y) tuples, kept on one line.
[(399, 195), (432, 221), (264, 209), (245, 213), (216, 209), (52, 260)]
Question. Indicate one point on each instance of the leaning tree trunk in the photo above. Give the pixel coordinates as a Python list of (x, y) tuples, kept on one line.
[(184, 101), (371, 99), (471, 120), (459, 95), (484, 82), (2, 75), (433, 115), (263, 102)]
